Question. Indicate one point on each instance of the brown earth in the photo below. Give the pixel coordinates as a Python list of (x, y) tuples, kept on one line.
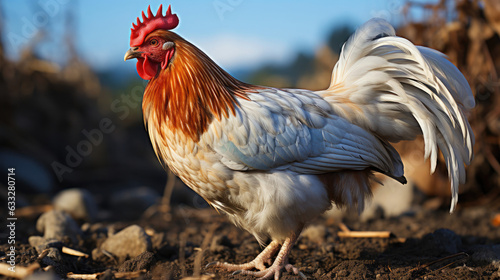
[(187, 239)]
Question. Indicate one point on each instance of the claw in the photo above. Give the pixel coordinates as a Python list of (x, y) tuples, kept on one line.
[(237, 272), (211, 264), (291, 268)]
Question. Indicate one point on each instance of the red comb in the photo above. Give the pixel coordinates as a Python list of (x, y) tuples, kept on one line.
[(150, 23)]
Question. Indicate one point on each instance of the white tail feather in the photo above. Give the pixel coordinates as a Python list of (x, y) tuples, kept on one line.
[(397, 90)]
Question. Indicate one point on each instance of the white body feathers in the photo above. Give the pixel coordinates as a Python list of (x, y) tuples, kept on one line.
[(287, 154)]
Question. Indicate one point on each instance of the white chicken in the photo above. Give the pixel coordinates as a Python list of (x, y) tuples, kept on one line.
[(274, 159)]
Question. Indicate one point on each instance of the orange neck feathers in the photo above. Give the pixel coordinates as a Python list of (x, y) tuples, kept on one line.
[(191, 91)]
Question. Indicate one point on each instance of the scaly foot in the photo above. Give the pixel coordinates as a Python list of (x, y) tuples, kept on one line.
[(257, 263), (280, 262)]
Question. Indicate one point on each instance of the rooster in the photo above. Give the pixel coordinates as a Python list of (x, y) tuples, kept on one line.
[(274, 159)]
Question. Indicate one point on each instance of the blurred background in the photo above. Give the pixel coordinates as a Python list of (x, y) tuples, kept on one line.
[(71, 115)]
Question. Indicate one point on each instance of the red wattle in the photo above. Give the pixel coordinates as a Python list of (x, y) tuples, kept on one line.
[(147, 69)]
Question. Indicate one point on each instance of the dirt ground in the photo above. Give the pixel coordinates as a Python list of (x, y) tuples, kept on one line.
[(429, 244)]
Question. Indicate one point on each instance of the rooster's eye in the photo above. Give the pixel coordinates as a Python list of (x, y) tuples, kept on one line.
[(153, 42)]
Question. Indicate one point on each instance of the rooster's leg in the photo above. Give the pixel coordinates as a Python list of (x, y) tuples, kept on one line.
[(258, 262), (280, 262)]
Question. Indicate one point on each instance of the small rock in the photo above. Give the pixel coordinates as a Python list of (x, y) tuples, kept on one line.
[(442, 242), (128, 243), (79, 203), (130, 204), (56, 225)]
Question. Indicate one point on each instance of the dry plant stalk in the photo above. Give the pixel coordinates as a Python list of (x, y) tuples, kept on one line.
[(364, 234), (199, 256), (347, 233), (202, 277), (182, 253), (118, 275), (73, 252), (461, 256), (20, 272)]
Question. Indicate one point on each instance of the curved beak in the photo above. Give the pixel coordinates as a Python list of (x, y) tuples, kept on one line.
[(132, 53)]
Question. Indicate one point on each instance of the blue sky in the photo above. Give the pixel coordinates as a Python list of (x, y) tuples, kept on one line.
[(235, 33)]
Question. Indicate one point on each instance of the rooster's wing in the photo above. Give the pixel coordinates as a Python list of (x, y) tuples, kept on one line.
[(296, 130)]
